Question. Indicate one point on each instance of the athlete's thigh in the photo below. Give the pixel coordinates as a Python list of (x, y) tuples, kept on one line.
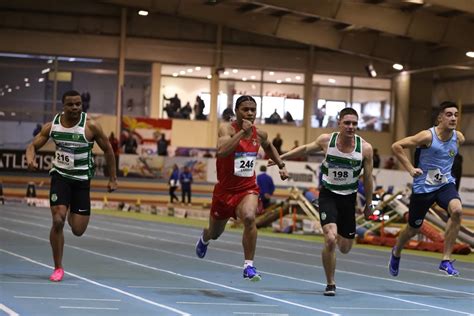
[(448, 198), (247, 206), (80, 208), (60, 192), (327, 207), (419, 205), (346, 224)]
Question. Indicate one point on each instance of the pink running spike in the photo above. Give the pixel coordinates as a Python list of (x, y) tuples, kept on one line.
[(57, 275)]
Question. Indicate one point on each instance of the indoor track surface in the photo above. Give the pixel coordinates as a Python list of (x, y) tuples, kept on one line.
[(128, 267)]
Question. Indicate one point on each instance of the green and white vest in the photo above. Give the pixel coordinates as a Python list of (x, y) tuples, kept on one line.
[(73, 156), (341, 170)]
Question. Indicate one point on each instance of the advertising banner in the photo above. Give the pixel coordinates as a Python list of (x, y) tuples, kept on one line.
[(15, 160), (146, 132)]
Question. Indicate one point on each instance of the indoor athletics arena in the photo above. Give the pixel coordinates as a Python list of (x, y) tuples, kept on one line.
[(144, 145)]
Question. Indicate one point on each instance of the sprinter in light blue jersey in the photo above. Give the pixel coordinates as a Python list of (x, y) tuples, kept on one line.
[(432, 182), (347, 156)]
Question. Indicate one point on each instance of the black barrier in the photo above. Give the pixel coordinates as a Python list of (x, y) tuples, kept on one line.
[(15, 160)]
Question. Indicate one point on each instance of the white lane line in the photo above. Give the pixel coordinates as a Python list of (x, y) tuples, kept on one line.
[(142, 299), (233, 266), (171, 288), (67, 298), (276, 259), (382, 309), (229, 304), (9, 311), (160, 270), (86, 307), (292, 292), (256, 314), (41, 283)]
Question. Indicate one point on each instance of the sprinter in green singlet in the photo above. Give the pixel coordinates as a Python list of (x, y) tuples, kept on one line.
[(347, 154), (73, 168)]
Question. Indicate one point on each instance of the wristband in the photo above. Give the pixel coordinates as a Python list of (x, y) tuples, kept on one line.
[(281, 166)]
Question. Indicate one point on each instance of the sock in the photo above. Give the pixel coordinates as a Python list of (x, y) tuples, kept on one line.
[(248, 263), (204, 242)]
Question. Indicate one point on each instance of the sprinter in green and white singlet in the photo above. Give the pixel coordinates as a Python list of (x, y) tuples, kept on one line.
[(347, 154), (73, 156), (73, 167)]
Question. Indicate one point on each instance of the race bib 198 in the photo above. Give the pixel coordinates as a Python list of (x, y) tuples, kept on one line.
[(64, 159), (339, 175), (244, 164)]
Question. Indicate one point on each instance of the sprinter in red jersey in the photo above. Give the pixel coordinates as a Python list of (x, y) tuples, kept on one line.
[(236, 192)]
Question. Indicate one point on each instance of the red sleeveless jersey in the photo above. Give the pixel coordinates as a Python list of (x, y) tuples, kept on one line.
[(236, 172)]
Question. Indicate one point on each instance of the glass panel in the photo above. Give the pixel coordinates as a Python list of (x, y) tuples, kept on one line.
[(177, 92), (193, 71), (136, 90), (374, 83), (241, 74), (231, 90), (374, 109), (282, 77), (97, 83), (282, 98), (327, 80), (328, 104)]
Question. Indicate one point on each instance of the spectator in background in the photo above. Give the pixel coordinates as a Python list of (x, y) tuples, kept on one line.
[(86, 101), (376, 158), (320, 114), (199, 109), (130, 145), (173, 183), (296, 144), (266, 186), (277, 142), (173, 107), (186, 179), (275, 118), (390, 163), (228, 113), (115, 147), (289, 117), (37, 129), (162, 146), (456, 170), (185, 111)]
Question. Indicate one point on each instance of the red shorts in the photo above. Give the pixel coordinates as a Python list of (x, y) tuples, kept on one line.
[(224, 204)]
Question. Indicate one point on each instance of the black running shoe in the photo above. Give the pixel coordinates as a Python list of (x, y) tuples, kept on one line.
[(330, 290)]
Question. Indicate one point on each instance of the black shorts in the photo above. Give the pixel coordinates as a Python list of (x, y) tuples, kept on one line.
[(338, 209), (75, 194), (421, 202)]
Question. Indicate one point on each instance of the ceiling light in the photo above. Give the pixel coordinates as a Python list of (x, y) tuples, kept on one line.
[(226, 73), (244, 79), (331, 80), (298, 77), (470, 54), (50, 61), (17, 87), (46, 70), (190, 70), (40, 79), (235, 71), (371, 71), (197, 68), (26, 79), (209, 76), (271, 73), (278, 81), (288, 79), (143, 12), (398, 66), (252, 77), (175, 74), (182, 72), (13, 114), (72, 59), (9, 90), (27, 84)]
